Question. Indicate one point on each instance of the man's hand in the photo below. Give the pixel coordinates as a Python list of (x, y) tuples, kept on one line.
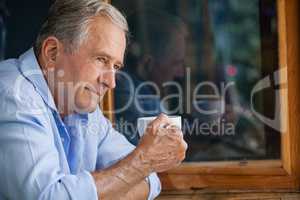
[(162, 147)]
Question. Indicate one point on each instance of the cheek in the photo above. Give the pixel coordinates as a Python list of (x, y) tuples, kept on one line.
[(87, 73), (68, 64)]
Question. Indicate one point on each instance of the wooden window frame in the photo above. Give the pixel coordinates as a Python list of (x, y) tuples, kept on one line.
[(283, 174)]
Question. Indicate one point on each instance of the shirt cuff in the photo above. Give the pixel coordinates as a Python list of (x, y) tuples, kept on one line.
[(154, 186), (81, 186)]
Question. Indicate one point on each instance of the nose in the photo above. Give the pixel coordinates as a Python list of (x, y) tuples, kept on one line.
[(108, 78)]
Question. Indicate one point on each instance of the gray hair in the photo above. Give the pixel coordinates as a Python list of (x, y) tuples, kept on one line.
[(68, 21)]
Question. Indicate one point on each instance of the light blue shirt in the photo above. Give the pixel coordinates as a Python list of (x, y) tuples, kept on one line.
[(43, 156)]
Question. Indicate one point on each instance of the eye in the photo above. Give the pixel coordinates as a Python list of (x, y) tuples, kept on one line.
[(117, 67), (102, 59)]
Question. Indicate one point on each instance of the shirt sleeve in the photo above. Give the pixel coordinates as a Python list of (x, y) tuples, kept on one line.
[(154, 185), (113, 147), (30, 163)]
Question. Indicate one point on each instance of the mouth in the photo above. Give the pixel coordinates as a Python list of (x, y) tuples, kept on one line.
[(93, 91)]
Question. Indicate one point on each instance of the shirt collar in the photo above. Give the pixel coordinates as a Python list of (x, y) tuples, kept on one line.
[(31, 70)]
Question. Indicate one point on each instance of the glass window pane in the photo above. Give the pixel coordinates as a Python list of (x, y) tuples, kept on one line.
[(213, 62)]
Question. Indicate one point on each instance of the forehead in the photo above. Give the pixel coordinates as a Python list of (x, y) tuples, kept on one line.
[(105, 36)]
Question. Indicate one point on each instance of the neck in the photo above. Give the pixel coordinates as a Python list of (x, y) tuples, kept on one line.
[(50, 77)]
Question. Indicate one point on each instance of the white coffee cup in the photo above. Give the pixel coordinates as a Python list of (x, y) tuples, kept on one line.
[(143, 122)]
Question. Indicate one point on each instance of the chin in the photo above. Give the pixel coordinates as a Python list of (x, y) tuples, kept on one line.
[(87, 101), (91, 110), (84, 109), (86, 106)]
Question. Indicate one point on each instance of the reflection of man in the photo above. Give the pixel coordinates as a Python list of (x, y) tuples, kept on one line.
[(54, 141), (155, 56)]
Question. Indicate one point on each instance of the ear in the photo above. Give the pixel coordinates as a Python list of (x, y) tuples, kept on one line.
[(50, 51)]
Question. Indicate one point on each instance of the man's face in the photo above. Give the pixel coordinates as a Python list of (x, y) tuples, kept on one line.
[(90, 71)]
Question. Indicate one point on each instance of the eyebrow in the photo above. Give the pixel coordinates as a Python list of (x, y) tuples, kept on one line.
[(109, 57)]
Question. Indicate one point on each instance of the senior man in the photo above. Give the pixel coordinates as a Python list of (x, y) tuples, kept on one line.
[(54, 141)]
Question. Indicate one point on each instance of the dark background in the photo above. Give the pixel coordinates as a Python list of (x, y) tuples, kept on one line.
[(22, 21)]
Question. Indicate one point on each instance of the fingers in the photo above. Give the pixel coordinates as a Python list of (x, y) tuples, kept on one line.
[(164, 144), (175, 138), (185, 145), (174, 131), (155, 124), (163, 123), (161, 119)]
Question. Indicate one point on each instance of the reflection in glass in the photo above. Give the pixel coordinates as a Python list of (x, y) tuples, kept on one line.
[(202, 59)]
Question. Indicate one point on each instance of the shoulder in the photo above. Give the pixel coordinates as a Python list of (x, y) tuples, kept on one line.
[(9, 73), (12, 80), (18, 95)]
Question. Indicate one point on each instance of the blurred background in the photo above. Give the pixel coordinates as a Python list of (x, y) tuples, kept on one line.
[(216, 49)]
